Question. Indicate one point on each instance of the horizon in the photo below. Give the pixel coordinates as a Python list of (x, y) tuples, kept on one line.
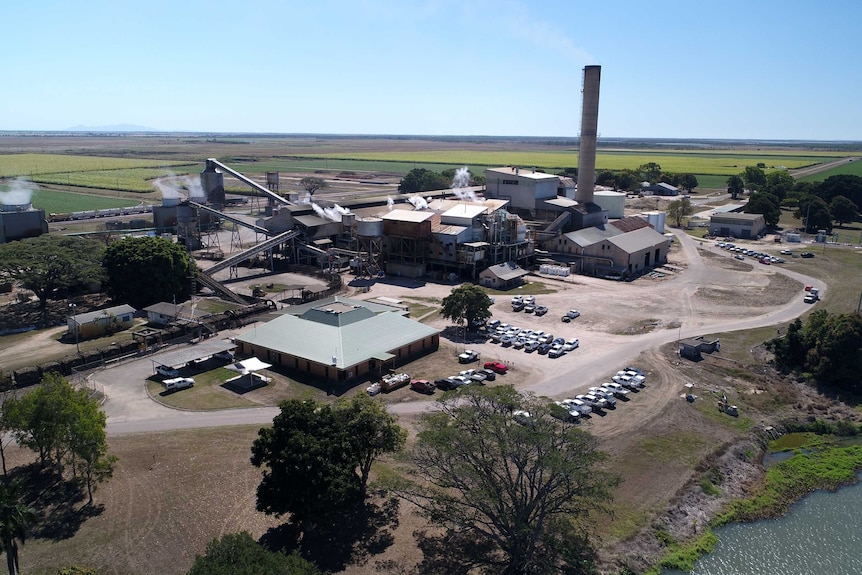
[(710, 71)]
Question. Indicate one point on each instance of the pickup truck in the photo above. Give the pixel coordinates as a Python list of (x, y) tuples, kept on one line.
[(178, 383), (468, 356)]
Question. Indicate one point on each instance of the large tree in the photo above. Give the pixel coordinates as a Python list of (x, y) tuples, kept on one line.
[(316, 458), (688, 182), (240, 554), (754, 177), (650, 171), (766, 204), (679, 209), (847, 185), (15, 518), (311, 184), (735, 187), (517, 495), (422, 180), (814, 213), (49, 263), (468, 303), (144, 271), (63, 425), (779, 183), (843, 210)]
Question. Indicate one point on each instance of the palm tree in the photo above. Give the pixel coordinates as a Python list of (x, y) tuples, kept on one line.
[(15, 517)]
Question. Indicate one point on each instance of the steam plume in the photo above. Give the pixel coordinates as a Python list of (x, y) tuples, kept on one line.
[(460, 183), (20, 192)]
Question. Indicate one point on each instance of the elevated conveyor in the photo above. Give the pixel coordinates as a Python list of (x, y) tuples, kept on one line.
[(213, 163), (253, 251), (233, 219), (219, 288)]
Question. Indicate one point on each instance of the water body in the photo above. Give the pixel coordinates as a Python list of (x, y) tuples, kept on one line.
[(820, 535)]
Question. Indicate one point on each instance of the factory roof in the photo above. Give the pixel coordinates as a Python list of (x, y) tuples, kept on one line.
[(608, 193), (630, 224), (638, 240), (465, 210), (341, 335), (447, 230), (562, 202), (335, 300), (567, 182), (522, 173), (589, 236), (311, 221), (92, 316), (727, 216), (506, 272), (408, 215)]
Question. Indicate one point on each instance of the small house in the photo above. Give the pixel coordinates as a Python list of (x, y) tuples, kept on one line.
[(502, 276), (101, 322)]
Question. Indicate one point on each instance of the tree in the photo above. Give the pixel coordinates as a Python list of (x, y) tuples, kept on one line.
[(422, 180), (468, 303), (688, 182), (847, 185), (843, 210), (311, 184), (47, 264), (814, 213), (520, 494), (754, 177), (240, 554), (650, 171), (766, 204), (735, 186), (144, 271), (679, 209), (779, 183), (316, 458), (63, 425), (15, 518)]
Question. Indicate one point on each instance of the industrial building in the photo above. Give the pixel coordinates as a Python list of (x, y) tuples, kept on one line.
[(340, 339), (737, 225), (19, 221)]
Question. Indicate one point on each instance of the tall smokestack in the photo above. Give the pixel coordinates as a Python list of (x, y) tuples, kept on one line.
[(589, 133)]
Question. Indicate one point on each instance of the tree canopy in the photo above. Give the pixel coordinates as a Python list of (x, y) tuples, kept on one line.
[(828, 346), (779, 183), (311, 184), (679, 209), (847, 185), (766, 204), (843, 210), (64, 426), (15, 518), (814, 213), (510, 497), (688, 182), (754, 177), (735, 186), (650, 171), (422, 180), (468, 303), (144, 271), (49, 263), (316, 458), (240, 554)]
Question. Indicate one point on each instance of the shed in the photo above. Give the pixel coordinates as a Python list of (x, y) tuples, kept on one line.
[(502, 276), (101, 322)]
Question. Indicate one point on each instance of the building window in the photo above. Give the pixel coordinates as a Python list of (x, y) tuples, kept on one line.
[(510, 182)]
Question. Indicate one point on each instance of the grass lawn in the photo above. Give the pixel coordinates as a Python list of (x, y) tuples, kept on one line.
[(206, 394)]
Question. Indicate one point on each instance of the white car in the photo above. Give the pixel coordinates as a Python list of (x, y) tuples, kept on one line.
[(616, 389), (569, 413), (167, 371), (571, 344), (373, 389), (178, 383), (577, 404), (608, 396), (556, 351), (626, 381), (593, 401), (517, 299), (522, 417)]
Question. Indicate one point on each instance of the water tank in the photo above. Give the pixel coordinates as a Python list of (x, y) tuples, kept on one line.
[(612, 202), (348, 221), (369, 227), (655, 219)]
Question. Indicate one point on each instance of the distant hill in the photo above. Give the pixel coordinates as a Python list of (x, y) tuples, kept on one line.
[(114, 128)]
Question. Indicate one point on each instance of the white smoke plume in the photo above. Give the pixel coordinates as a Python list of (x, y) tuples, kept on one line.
[(460, 183), (168, 187), (390, 203), (173, 187), (333, 214), (419, 203), (20, 192)]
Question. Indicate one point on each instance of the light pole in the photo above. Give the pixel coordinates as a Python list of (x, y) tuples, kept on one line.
[(72, 308)]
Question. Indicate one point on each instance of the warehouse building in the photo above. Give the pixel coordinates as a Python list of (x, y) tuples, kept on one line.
[(340, 339), (743, 226)]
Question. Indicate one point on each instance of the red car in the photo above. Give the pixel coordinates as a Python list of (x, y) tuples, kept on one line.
[(422, 386), (496, 366)]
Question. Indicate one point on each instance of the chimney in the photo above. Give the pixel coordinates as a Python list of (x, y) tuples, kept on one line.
[(589, 133)]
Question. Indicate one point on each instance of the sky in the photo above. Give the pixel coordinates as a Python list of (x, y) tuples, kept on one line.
[(724, 69)]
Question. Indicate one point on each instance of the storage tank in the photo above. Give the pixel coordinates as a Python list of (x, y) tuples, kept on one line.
[(212, 182), (348, 221), (655, 219), (612, 202), (369, 227)]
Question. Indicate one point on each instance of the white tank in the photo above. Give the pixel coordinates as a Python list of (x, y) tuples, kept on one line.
[(613, 202), (655, 219), (369, 227)]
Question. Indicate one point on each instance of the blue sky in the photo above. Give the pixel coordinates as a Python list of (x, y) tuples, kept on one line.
[(670, 69)]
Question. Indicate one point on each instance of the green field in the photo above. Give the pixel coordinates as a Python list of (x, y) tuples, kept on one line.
[(851, 169), (55, 202)]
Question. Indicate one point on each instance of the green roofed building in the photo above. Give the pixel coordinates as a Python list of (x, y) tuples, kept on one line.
[(340, 339)]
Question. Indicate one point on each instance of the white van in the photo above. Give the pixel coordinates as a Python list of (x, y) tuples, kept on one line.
[(178, 383)]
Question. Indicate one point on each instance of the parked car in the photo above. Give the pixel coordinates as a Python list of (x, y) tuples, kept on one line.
[(558, 341), (493, 323), (529, 299), (547, 338), (582, 407), (571, 344), (178, 383), (810, 299), (517, 299), (518, 306), (544, 348), (224, 355), (564, 412), (541, 310), (468, 356), (807, 255), (500, 368), (167, 371), (532, 346), (529, 308), (617, 389), (422, 386), (478, 377), (593, 401), (523, 417), (373, 389), (556, 351), (445, 383), (489, 374), (786, 252), (519, 343), (739, 256), (608, 396), (573, 314)]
